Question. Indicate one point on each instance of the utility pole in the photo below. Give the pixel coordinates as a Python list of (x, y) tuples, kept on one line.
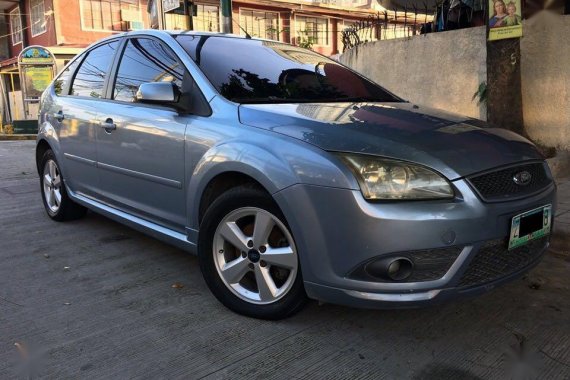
[(226, 6)]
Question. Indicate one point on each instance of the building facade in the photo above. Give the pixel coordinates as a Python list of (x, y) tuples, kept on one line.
[(66, 27)]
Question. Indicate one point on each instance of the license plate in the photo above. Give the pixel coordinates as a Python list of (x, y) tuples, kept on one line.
[(530, 225)]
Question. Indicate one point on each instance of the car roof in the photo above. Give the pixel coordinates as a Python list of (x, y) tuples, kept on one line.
[(175, 33)]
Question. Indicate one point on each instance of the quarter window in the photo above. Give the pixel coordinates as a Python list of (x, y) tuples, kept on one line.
[(145, 60), (313, 30), (90, 78), (16, 26), (38, 17), (260, 24), (62, 81)]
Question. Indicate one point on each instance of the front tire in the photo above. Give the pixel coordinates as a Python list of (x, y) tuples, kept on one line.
[(56, 201), (248, 255)]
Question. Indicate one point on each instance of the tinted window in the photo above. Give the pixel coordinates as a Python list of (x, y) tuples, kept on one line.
[(145, 60), (90, 78), (62, 81), (253, 71)]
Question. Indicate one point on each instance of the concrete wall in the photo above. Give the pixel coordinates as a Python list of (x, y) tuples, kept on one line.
[(440, 70), (545, 65)]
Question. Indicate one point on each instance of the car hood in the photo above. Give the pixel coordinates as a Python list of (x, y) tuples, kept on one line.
[(454, 145)]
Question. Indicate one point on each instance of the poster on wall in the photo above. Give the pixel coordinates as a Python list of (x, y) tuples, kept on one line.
[(36, 79), (505, 19)]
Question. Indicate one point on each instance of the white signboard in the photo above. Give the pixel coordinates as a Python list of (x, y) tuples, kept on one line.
[(168, 5)]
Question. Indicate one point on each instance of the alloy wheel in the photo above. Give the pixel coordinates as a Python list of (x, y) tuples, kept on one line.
[(255, 255), (52, 186)]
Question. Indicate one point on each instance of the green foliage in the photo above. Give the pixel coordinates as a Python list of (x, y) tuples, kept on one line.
[(304, 40), (481, 93)]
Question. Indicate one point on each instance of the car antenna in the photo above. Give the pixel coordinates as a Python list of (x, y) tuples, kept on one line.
[(247, 35)]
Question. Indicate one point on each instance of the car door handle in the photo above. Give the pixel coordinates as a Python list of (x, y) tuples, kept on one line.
[(59, 116), (108, 125)]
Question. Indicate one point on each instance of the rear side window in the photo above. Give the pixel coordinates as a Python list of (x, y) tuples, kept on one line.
[(145, 60), (61, 84), (90, 78)]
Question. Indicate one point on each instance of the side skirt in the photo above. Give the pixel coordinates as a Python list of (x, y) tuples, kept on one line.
[(157, 231)]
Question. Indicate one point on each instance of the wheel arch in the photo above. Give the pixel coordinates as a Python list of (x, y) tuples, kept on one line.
[(48, 139), (221, 183), (42, 147)]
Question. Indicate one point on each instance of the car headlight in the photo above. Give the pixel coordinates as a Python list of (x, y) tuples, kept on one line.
[(385, 179)]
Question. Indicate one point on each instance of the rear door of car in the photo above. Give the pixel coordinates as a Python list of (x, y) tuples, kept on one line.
[(141, 146), (78, 98)]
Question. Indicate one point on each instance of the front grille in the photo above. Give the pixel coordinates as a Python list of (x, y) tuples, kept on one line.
[(494, 260), (429, 264), (499, 185)]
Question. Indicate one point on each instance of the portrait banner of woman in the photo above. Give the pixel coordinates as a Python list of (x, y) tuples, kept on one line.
[(505, 19)]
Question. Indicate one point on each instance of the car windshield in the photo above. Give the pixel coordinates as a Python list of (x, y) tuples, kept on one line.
[(256, 71)]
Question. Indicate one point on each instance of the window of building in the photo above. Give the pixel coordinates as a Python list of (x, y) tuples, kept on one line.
[(106, 14), (207, 18), (260, 24), (312, 29), (38, 17), (16, 26), (90, 78), (145, 60)]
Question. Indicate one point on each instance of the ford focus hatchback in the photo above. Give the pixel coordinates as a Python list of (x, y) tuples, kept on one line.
[(290, 175)]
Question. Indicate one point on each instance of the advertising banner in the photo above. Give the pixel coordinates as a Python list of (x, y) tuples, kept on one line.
[(505, 19)]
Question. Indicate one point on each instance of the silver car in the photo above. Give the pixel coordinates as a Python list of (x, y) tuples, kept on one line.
[(290, 175)]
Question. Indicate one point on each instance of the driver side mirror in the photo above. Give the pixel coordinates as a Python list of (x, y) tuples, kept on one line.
[(158, 93)]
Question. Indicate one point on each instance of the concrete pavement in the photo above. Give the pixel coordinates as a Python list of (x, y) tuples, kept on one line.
[(94, 299)]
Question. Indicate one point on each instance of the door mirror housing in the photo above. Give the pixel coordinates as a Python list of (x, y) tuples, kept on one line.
[(158, 93)]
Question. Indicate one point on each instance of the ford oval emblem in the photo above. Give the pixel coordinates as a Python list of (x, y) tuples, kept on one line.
[(522, 178)]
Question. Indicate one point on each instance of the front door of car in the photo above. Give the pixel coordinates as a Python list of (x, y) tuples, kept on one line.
[(141, 146), (74, 110)]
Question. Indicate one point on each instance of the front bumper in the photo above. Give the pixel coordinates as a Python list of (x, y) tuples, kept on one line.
[(337, 230)]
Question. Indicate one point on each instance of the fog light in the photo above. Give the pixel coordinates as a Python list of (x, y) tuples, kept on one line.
[(400, 269), (394, 269)]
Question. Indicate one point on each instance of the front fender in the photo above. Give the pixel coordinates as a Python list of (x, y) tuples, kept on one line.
[(276, 163)]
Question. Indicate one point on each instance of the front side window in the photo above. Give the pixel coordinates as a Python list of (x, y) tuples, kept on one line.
[(207, 18), (16, 26), (145, 60), (38, 17), (313, 30), (273, 72), (89, 80), (107, 14), (260, 24)]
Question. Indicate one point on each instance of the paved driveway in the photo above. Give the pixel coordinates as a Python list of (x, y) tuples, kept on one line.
[(94, 299)]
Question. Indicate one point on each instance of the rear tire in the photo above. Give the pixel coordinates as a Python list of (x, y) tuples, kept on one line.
[(248, 256), (57, 203)]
